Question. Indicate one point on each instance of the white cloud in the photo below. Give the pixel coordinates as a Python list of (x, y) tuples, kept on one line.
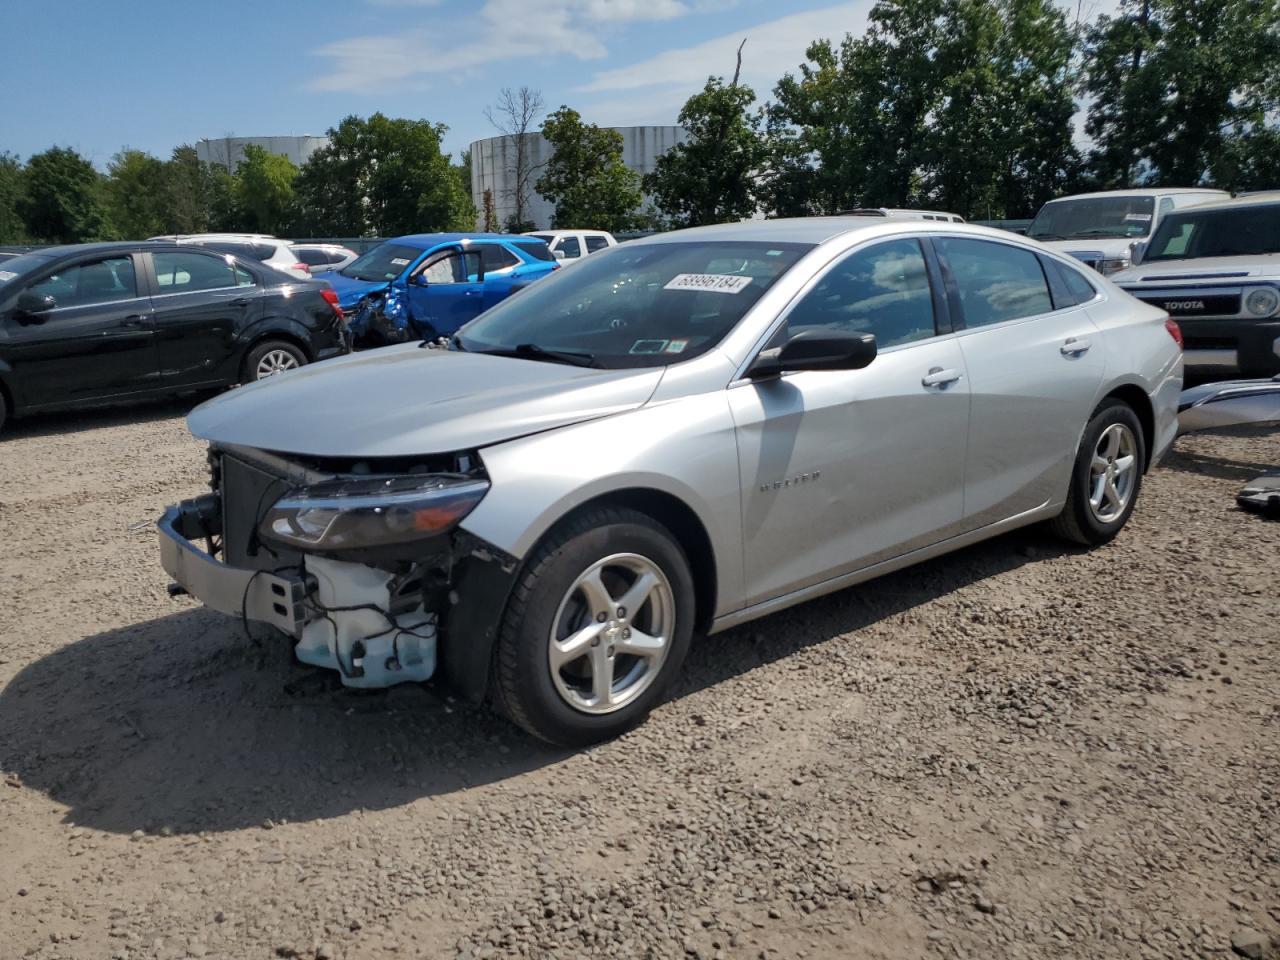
[(433, 46), (772, 49)]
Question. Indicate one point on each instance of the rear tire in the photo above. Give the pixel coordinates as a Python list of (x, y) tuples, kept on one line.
[(269, 358), (572, 665), (1106, 478)]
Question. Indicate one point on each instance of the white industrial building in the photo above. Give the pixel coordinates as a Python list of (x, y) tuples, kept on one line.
[(229, 151), (493, 163)]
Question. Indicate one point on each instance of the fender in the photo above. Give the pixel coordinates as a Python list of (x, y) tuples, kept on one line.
[(265, 326)]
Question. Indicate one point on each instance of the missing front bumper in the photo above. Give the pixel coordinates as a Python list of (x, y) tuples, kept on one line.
[(339, 614)]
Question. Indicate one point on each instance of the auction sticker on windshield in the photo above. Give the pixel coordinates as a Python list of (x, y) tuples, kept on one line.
[(712, 282)]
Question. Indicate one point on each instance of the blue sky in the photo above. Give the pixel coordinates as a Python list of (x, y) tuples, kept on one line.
[(152, 74)]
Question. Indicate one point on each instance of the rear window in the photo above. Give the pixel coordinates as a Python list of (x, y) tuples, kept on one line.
[(536, 249), (313, 258), (384, 262)]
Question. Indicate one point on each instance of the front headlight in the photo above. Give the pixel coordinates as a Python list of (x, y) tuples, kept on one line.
[(1113, 265), (1262, 302), (373, 511)]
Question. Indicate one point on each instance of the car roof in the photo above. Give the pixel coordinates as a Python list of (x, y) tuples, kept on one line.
[(561, 233), (1262, 199), (1144, 192), (424, 241), (816, 230)]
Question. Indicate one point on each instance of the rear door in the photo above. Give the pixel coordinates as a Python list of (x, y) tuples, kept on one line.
[(446, 290), (98, 341), (203, 302), (1034, 371)]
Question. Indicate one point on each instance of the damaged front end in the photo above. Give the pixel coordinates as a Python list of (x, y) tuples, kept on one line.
[(362, 562)]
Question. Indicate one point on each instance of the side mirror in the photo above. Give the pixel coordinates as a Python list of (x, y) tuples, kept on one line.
[(31, 307), (558, 254), (816, 350), (1137, 252)]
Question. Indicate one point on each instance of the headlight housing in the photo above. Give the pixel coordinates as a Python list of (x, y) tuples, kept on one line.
[(372, 511), (1112, 265), (1262, 301)]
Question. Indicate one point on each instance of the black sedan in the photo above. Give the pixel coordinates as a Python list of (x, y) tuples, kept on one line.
[(101, 322)]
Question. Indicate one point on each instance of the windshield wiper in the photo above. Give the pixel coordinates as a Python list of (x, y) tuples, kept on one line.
[(531, 351)]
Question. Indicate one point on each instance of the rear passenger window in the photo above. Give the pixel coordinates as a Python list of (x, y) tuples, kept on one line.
[(596, 243), (882, 290), (1081, 289), (188, 272), (495, 257), (996, 281)]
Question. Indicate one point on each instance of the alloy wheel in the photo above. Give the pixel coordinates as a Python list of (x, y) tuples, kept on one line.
[(611, 633), (1113, 472), (275, 361)]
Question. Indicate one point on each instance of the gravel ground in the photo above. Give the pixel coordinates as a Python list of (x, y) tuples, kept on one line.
[(1019, 750)]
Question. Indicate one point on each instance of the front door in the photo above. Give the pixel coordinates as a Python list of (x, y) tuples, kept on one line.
[(203, 301), (843, 469), (1034, 372), (96, 341), (445, 291)]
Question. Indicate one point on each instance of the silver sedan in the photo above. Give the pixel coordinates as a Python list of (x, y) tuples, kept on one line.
[(682, 434)]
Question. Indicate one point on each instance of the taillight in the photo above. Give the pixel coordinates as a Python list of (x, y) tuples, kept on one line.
[(331, 298), (1175, 331)]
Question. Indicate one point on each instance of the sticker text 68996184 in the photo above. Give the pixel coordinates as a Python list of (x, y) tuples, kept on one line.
[(709, 282)]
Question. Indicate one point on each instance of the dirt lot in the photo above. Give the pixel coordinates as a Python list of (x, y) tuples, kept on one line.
[(1015, 751)]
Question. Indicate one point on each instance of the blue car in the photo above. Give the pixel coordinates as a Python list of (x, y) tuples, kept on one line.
[(429, 284)]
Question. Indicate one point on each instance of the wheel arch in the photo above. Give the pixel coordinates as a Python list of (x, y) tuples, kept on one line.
[(263, 336), (1137, 399), (469, 643)]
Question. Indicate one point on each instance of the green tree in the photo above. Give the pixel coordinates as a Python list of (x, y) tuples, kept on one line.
[(383, 177), (136, 195), (711, 177), (188, 192), (964, 104), (1173, 80), (1250, 160), (585, 178), (263, 190), (490, 216), (999, 141), (62, 200), (12, 229)]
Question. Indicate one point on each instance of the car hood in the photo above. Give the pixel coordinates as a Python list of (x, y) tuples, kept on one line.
[(1094, 248), (1206, 269), (405, 401), (350, 290)]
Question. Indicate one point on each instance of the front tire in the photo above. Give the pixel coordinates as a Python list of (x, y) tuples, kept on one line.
[(598, 624), (1106, 478), (270, 357)]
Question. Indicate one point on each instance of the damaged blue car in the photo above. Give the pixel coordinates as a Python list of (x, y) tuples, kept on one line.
[(428, 285)]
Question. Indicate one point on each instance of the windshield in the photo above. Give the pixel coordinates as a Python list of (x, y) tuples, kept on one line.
[(643, 305), (384, 262), (1235, 232), (1096, 217), (13, 267)]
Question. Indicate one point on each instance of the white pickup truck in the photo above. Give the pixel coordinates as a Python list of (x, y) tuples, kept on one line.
[(1101, 229)]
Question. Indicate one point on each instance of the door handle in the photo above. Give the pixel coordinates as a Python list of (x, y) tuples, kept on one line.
[(241, 301), (1074, 347), (134, 320), (938, 377)]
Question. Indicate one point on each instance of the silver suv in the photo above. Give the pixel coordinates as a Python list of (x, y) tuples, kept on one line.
[(684, 432)]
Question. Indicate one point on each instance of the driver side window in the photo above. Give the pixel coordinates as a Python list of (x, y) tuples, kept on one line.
[(882, 290), (100, 281)]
